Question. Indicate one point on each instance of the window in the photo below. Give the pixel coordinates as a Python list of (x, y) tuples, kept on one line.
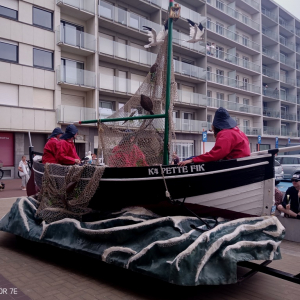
[(209, 118), (246, 101), (72, 72), (237, 99), (8, 51), (71, 34), (245, 40), (245, 62), (220, 5), (220, 76), (105, 109), (184, 149), (208, 23), (42, 18), (42, 59), (220, 96), (208, 72), (8, 13), (220, 28), (219, 52)]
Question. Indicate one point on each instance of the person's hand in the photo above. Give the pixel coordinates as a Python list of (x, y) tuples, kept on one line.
[(77, 161), (288, 207), (185, 162)]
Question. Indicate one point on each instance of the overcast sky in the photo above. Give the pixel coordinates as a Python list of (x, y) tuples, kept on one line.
[(290, 5)]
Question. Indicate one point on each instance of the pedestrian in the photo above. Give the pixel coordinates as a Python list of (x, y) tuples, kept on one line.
[(175, 159), (23, 172)]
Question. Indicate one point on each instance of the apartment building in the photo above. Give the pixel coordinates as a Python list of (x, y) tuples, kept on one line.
[(68, 60)]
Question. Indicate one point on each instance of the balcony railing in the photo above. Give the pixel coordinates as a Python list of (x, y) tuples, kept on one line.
[(298, 49), (70, 36), (298, 32), (252, 3), (251, 130), (186, 13), (298, 82), (233, 13), (232, 82), (192, 98), (69, 114), (74, 76), (126, 52), (271, 113), (288, 98), (270, 53), (270, 33), (270, 73), (288, 132), (194, 126), (269, 130), (233, 59), (212, 102), (232, 36), (270, 93), (286, 61), (189, 70), (180, 38), (121, 16), (287, 80), (284, 42), (84, 5), (118, 84), (286, 25), (269, 14), (291, 117)]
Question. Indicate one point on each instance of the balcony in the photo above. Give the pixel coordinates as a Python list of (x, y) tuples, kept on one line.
[(189, 70), (271, 113), (76, 77), (272, 54), (250, 130), (252, 3), (125, 52), (118, 84), (232, 36), (233, 13), (125, 18), (286, 61), (269, 14), (287, 132), (189, 98), (298, 82), (224, 56), (287, 80), (288, 98), (284, 41), (271, 94), (286, 25), (298, 32), (298, 49), (232, 82), (85, 6), (270, 73), (290, 117), (270, 33), (191, 126), (82, 43), (212, 102), (269, 130), (180, 38), (186, 13), (70, 114)]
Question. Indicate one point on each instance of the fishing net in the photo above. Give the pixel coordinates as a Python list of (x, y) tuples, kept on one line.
[(67, 190), (136, 143)]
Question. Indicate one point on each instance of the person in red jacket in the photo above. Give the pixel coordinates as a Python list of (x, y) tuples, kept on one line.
[(66, 154), (231, 142), (50, 148)]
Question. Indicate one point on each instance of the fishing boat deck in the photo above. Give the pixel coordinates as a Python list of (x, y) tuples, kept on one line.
[(38, 271)]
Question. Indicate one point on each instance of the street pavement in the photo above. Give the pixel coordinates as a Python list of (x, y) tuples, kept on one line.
[(36, 271)]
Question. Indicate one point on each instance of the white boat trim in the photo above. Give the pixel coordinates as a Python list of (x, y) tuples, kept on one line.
[(171, 177)]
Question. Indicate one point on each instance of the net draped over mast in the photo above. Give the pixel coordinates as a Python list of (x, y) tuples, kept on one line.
[(135, 143)]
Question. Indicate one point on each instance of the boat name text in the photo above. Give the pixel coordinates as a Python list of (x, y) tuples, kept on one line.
[(177, 170)]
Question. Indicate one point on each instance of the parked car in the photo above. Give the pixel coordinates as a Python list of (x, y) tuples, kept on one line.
[(289, 163), (279, 173)]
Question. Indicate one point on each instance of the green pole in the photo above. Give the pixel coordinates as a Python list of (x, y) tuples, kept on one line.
[(168, 87)]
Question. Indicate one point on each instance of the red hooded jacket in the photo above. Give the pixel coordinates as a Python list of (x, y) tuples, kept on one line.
[(50, 151), (230, 143), (66, 153)]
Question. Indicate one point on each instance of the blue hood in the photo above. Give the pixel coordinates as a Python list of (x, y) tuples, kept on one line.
[(222, 119), (70, 132), (56, 131)]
